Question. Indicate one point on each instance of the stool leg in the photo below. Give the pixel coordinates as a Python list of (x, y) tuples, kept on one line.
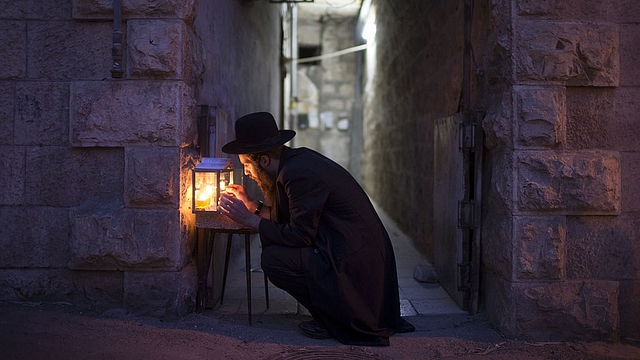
[(201, 273), (209, 270), (205, 250), (247, 250), (226, 268)]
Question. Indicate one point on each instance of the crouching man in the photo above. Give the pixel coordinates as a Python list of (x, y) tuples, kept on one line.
[(322, 240)]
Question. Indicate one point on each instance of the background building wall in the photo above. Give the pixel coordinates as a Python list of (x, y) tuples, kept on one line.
[(327, 90), (413, 77), (94, 205)]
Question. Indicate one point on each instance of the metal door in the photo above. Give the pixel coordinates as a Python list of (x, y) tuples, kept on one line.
[(457, 191), (457, 166)]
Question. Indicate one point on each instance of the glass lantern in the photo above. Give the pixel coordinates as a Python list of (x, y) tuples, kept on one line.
[(209, 179)]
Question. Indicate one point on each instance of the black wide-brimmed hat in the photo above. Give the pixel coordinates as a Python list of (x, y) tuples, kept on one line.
[(257, 132)]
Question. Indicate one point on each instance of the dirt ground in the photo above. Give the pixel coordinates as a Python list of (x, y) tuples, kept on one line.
[(65, 331)]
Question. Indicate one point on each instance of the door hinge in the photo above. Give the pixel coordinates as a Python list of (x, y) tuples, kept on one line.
[(467, 139), (467, 214)]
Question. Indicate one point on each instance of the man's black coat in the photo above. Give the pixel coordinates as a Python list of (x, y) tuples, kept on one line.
[(347, 256)]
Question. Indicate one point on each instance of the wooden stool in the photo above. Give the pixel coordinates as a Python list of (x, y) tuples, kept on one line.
[(205, 259)]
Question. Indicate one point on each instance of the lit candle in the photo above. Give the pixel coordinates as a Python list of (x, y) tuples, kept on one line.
[(202, 200)]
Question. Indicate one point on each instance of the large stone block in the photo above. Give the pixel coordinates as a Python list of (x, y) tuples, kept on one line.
[(629, 303), (105, 237), (188, 230), (581, 10), (152, 177), (157, 49), (582, 310), (628, 11), (541, 116), (586, 182), (566, 53), (59, 176), (61, 285), (498, 181), (603, 247), (626, 117), (630, 173), (161, 294), (500, 303), (131, 113), (630, 53), (539, 248), (12, 173), (42, 113), (590, 114), (103, 9), (498, 123), (497, 244), (69, 50), (603, 118), (35, 9), (497, 218), (188, 160), (13, 47), (36, 237), (7, 98)]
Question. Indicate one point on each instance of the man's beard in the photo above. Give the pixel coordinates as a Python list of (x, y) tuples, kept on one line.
[(267, 183)]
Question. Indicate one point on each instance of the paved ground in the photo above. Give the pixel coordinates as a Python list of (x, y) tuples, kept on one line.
[(64, 331)]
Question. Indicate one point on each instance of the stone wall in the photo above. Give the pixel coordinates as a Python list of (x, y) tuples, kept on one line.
[(558, 83), (240, 49), (94, 206), (559, 239)]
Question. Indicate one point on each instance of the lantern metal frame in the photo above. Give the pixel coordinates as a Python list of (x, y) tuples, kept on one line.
[(207, 181)]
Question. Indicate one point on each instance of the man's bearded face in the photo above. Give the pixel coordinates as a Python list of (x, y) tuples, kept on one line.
[(267, 183)]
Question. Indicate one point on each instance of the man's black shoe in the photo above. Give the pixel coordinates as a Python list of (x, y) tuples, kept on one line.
[(406, 327), (314, 330)]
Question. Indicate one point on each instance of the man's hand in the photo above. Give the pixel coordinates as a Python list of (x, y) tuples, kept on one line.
[(234, 207), (239, 192)]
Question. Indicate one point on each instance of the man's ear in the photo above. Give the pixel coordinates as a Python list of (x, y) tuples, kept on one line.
[(264, 161)]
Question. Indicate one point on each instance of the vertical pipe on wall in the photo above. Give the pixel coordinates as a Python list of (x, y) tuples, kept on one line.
[(294, 67), (116, 48)]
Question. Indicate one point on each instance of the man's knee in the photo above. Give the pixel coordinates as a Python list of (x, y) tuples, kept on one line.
[(278, 261), (268, 260)]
